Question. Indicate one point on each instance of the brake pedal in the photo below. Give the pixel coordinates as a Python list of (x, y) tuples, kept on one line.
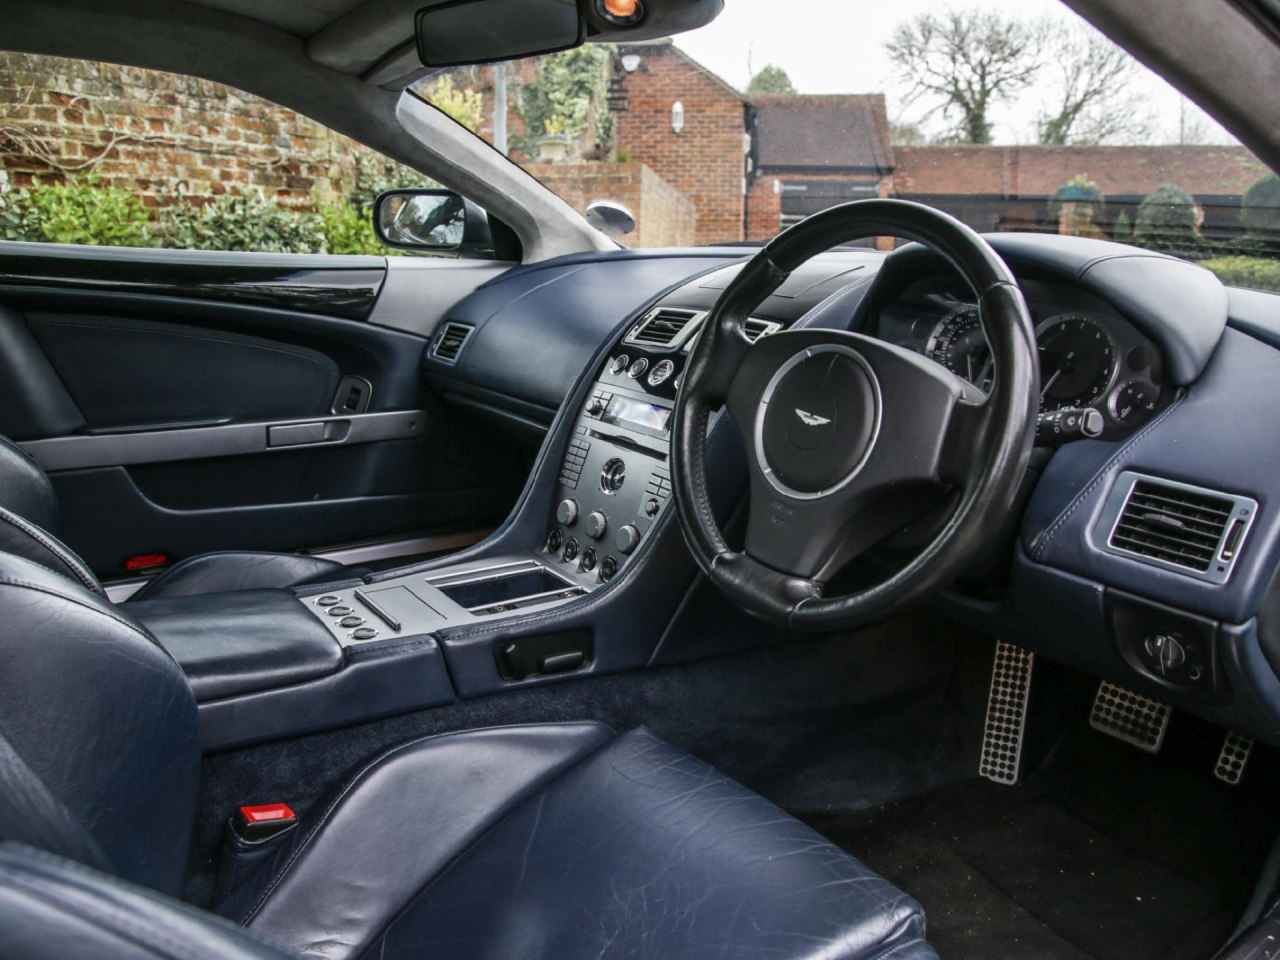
[(1130, 717), (1006, 714), (1233, 758)]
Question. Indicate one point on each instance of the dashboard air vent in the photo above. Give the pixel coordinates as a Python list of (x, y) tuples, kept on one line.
[(756, 328), (665, 327), (1175, 525), (451, 341)]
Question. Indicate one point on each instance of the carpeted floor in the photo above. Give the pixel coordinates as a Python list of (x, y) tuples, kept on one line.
[(1102, 853)]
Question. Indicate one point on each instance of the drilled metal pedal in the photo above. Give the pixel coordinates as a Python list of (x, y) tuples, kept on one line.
[(1006, 714), (1232, 758), (1130, 717)]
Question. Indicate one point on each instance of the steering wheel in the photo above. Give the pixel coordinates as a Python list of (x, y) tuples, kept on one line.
[(850, 438)]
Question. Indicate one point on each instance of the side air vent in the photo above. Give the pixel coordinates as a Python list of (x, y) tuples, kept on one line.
[(755, 328), (450, 342), (664, 328), (1179, 527)]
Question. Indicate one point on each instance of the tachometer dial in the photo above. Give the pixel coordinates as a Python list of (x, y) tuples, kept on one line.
[(959, 344), (1077, 362)]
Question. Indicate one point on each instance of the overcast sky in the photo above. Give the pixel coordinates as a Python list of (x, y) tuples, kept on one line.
[(837, 46)]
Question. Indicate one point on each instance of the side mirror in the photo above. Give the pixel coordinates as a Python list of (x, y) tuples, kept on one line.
[(437, 221), (611, 218)]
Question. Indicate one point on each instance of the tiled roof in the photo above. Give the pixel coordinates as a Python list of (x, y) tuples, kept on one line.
[(1036, 171), (841, 131)]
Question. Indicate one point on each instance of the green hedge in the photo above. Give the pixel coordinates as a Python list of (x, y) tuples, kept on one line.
[(1246, 272), (87, 212)]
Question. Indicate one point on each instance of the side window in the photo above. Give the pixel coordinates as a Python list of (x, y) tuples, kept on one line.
[(96, 153)]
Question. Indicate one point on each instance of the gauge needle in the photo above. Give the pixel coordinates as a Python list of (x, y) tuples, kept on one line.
[(1056, 374), (969, 364)]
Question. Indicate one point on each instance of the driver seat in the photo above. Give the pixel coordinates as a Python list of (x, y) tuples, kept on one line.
[(557, 841)]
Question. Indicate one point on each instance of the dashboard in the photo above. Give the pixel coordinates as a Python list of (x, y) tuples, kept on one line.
[(1090, 356)]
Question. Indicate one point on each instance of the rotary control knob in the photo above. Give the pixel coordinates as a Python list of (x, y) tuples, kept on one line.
[(596, 406), (628, 539), (567, 512), (597, 524)]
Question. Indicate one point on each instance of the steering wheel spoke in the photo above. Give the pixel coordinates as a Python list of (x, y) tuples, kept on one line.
[(849, 438)]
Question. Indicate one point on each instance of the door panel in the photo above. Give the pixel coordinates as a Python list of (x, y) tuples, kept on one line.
[(163, 413)]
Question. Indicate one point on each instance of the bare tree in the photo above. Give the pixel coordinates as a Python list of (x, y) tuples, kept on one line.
[(1193, 124), (1096, 101), (966, 62)]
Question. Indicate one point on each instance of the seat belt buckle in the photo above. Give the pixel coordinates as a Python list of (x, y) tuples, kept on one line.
[(256, 823)]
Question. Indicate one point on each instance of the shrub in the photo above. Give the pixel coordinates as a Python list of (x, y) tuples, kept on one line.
[(348, 230), (240, 222), (1167, 221), (82, 212), (1252, 272), (1260, 214)]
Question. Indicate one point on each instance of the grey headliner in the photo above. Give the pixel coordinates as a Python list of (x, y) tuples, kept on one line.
[(302, 19)]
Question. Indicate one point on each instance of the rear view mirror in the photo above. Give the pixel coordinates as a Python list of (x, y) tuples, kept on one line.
[(484, 31), (432, 220)]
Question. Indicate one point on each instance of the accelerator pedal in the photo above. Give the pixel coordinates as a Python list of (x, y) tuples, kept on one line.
[(1130, 717), (1006, 714), (1233, 758)]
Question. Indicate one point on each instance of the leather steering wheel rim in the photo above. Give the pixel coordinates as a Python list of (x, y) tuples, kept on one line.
[(984, 442)]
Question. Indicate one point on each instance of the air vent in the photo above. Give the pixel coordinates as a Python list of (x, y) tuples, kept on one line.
[(1177, 526), (755, 328), (451, 341), (665, 328)]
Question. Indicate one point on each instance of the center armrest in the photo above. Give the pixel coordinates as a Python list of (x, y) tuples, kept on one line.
[(242, 642)]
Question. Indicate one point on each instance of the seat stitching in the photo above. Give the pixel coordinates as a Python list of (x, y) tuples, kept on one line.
[(36, 534), (40, 588)]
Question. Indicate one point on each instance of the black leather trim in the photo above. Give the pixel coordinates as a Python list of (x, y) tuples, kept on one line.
[(238, 570), (640, 849), (24, 539), (235, 643), (366, 850), (54, 909), (24, 488)]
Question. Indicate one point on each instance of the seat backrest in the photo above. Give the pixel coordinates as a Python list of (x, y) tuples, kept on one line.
[(100, 730), (25, 489)]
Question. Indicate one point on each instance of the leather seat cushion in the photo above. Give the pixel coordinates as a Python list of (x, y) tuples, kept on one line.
[(238, 570), (563, 841)]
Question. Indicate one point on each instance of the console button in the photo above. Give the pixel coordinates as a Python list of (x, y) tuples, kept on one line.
[(588, 559), (567, 512), (350, 622), (597, 524), (555, 540), (608, 568), (638, 368), (364, 633), (619, 363), (613, 475), (651, 508), (628, 539), (328, 600), (659, 374), (340, 611), (571, 549)]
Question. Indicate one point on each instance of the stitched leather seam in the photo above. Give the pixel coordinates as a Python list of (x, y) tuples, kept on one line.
[(39, 588), (599, 596), (898, 948), (35, 534), (350, 786), (1052, 530)]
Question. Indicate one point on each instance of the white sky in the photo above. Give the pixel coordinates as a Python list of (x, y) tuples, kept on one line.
[(837, 46)]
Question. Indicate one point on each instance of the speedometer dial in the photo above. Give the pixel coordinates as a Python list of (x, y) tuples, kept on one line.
[(1077, 361), (959, 344)]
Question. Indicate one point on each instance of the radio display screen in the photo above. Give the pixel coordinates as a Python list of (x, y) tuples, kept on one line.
[(636, 414)]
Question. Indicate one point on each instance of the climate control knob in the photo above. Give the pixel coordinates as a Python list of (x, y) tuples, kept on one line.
[(567, 512), (597, 524), (628, 539)]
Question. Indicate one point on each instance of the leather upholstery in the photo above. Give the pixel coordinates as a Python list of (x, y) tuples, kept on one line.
[(24, 488), (234, 570), (53, 909), (366, 851), (641, 850), (102, 715), (24, 539), (264, 639)]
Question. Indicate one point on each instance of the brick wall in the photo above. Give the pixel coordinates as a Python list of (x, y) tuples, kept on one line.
[(704, 162), (153, 132), (664, 218)]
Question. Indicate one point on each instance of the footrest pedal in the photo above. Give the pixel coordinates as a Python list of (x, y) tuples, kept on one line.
[(1130, 717), (1232, 758), (1006, 714)]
